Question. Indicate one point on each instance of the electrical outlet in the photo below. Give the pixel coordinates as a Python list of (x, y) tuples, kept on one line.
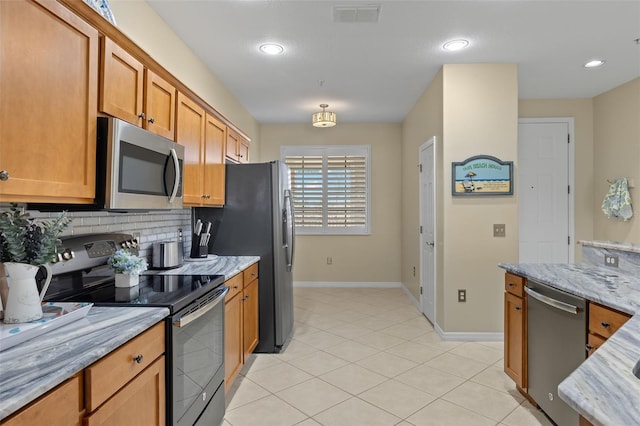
[(329, 260), (462, 295), (611, 260), (499, 230)]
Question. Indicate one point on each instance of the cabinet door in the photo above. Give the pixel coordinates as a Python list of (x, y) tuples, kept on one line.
[(232, 339), (159, 106), (61, 406), (250, 318), (139, 402), (48, 99), (232, 145), (214, 172), (190, 133), (243, 150), (121, 83), (515, 323)]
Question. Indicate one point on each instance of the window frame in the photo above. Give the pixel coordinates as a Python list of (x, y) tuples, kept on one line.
[(325, 151)]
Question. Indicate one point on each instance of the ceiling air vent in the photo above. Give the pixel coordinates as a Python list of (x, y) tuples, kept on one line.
[(350, 14)]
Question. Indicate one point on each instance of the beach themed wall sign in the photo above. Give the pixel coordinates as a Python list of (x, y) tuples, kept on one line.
[(482, 175)]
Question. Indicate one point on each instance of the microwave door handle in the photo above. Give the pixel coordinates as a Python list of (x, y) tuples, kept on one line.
[(176, 182)]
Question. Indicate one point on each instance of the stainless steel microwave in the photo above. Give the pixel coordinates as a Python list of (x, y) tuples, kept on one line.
[(142, 171)]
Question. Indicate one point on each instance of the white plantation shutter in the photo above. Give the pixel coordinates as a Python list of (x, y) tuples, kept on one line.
[(330, 188)]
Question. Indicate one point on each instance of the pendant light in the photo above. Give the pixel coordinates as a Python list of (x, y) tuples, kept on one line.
[(323, 118)]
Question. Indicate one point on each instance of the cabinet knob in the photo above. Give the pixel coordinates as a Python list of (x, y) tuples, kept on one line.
[(141, 115), (138, 359), (510, 284), (152, 120), (4, 175), (518, 308), (235, 287), (605, 324)]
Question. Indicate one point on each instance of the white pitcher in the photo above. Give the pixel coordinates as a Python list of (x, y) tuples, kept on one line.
[(24, 304)]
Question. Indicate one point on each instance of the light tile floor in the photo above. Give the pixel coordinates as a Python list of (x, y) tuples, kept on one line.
[(366, 356)]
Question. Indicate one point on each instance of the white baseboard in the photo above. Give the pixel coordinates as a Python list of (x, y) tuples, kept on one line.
[(469, 336), (346, 284), (415, 301)]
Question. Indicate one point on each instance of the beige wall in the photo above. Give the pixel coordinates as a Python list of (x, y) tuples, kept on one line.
[(581, 110), (423, 122), (617, 154), (480, 117), (367, 258), (146, 28)]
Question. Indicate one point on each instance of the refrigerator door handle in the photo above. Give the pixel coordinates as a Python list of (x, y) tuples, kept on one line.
[(288, 229)]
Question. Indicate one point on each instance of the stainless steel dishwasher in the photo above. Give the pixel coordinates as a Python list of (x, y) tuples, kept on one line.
[(556, 327)]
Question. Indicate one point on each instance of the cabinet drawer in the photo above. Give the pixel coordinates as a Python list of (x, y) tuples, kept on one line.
[(250, 274), (235, 286), (593, 343), (107, 376), (604, 321), (514, 284)]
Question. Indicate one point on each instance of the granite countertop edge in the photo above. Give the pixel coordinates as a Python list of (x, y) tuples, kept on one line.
[(34, 367), (603, 388), (218, 265)]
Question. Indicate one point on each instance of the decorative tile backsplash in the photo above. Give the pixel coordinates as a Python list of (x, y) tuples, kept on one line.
[(153, 225)]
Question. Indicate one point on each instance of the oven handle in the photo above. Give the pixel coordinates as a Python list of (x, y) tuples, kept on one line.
[(185, 320), (553, 302)]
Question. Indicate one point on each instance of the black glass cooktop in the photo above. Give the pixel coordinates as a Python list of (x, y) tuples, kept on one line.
[(171, 291)]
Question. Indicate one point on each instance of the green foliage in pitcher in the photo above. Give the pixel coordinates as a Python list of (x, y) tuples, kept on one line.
[(25, 240)]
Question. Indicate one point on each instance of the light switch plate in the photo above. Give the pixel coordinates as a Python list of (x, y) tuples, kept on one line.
[(499, 230)]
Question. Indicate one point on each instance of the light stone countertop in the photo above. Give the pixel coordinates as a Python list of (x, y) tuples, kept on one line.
[(214, 265), (32, 368), (603, 388)]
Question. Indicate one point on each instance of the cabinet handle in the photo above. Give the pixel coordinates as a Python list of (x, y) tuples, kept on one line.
[(141, 115), (4, 175), (605, 324), (138, 359), (588, 347), (235, 287), (510, 284), (518, 308), (152, 120)]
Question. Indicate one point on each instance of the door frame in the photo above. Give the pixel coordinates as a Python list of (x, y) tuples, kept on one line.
[(570, 171), (430, 141)]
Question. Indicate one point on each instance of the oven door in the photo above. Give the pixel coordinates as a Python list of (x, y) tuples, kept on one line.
[(196, 377)]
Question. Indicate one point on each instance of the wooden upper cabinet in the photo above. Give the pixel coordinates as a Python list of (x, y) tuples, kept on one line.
[(237, 147), (190, 133), (48, 97), (135, 94), (214, 171), (160, 106)]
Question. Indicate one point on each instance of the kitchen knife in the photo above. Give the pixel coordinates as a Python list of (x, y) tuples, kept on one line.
[(198, 228), (207, 229)]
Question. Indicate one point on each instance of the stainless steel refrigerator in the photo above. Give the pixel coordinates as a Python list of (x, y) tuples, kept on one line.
[(257, 219)]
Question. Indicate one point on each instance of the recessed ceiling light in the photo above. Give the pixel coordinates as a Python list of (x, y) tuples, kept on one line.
[(454, 45), (271, 49), (594, 63)]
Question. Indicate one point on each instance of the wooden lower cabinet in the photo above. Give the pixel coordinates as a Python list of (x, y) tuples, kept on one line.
[(126, 387), (241, 321), (139, 402), (62, 406), (515, 330)]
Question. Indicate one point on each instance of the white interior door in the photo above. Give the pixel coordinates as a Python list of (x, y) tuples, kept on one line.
[(427, 225), (544, 196)]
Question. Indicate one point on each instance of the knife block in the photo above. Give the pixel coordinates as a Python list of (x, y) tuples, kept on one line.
[(198, 251)]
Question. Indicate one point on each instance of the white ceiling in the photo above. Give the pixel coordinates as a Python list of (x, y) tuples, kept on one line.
[(375, 72)]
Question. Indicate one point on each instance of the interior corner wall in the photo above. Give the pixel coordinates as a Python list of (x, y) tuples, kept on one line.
[(581, 110), (367, 259), (617, 154), (148, 30), (480, 118), (423, 122)]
